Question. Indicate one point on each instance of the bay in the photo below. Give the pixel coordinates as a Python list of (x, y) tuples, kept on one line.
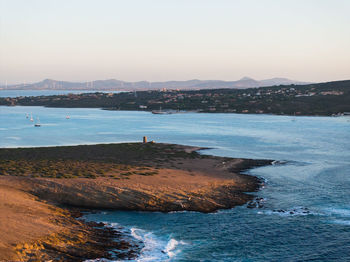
[(306, 213)]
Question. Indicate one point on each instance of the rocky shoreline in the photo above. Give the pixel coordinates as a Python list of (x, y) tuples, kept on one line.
[(83, 240), (177, 179)]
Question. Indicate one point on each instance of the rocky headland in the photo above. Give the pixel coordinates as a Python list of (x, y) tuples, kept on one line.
[(39, 188)]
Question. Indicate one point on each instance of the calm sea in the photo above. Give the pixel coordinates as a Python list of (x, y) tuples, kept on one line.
[(306, 215)]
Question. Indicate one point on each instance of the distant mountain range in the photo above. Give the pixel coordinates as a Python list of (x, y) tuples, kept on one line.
[(113, 84)]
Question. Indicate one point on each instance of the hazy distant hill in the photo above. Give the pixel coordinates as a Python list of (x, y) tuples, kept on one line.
[(113, 84)]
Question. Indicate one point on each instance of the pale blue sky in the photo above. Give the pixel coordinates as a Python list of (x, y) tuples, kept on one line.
[(159, 40)]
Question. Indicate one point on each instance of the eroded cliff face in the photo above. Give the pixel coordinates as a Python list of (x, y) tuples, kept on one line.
[(203, 185), (78, 242), (33, 230), (97, 196)]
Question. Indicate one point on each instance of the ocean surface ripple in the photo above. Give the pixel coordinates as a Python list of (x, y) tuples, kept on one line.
[(305, 214)]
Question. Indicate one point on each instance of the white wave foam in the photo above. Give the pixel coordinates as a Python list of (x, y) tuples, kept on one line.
[(49, 124), (155, 248), (340, 212), (13, 137), (338, 216), (340, 222), (183, 211), (278, 162), (171, 246)]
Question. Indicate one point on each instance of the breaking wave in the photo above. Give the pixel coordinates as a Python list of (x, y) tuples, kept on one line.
[(155, 248)]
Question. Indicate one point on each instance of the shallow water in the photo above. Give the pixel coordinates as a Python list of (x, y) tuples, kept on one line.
[(306, 213)]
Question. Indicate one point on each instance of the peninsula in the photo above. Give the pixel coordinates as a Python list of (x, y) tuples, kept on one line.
[(326, 99), (42, 191)]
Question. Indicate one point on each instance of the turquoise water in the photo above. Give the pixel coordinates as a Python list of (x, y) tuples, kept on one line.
[(306, 213)]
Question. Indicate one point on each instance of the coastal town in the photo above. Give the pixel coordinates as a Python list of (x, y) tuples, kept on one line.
[(313, 99)]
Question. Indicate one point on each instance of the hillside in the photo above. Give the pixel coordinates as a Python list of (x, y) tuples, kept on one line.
[(313, 99), (113, 84)]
